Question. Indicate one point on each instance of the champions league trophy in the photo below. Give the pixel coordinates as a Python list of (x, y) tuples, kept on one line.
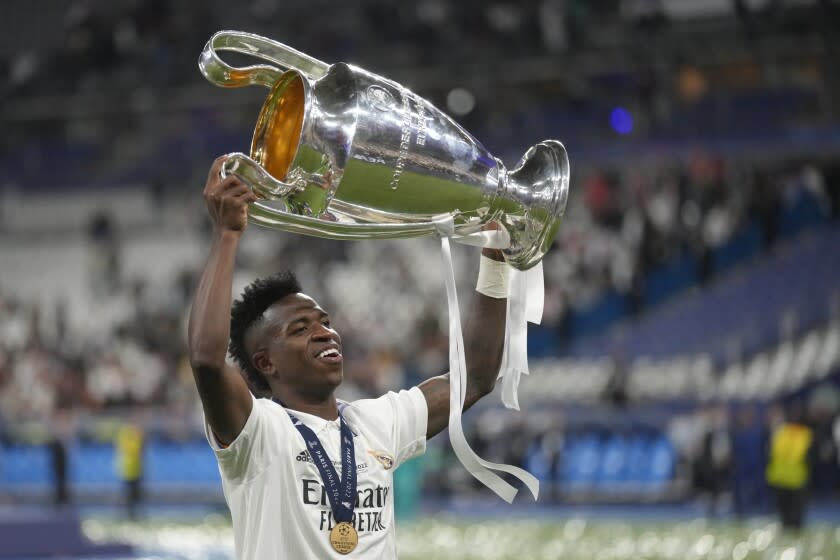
[(341, 153)]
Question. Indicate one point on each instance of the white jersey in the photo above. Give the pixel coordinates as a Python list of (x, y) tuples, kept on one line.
[(278, 503)]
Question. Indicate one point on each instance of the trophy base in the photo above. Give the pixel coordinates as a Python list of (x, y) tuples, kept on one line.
[(539, 184)]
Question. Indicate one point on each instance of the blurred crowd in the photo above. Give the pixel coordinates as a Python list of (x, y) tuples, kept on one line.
[(629, 220), (118, 65), (731, 454), (128, 347), (94, 40)]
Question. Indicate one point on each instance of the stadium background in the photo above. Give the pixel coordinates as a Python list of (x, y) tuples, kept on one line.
[(692, 295)]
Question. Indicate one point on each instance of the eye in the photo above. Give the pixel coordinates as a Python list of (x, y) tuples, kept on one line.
[(326, 323), (300, 330)]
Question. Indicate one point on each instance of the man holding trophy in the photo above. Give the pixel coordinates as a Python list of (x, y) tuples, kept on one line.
[(341, 153), (282, 340)]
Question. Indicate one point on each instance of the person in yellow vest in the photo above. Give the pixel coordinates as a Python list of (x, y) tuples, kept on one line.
[(129, 448), (789, 466)]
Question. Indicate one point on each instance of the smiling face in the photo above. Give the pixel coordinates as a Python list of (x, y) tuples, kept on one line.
[(297, 350)]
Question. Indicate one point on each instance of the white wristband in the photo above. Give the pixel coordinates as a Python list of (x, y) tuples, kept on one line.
[(492, 278)]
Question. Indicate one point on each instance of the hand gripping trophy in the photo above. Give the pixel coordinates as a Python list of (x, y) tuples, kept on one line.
[(341, 153)]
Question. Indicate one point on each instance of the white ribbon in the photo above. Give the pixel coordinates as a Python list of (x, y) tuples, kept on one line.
[(475, 465), (488, 239), (526, 296)]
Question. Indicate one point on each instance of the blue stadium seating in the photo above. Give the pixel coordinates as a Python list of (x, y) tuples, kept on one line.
[(743, 308), (188, 463), (609, 465), (662, 462), (25, 464), (542, 341), (590, 462), (538, 464), (802, 212), (597, 316), (580, 462), (93, 464), (614, 463), (671, 278), (745, 244)]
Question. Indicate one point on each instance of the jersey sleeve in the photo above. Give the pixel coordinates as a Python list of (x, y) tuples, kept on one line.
[(403, 418), (249, 453)]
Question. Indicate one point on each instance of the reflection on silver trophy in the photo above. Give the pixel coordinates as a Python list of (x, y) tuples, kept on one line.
[(341, 153)]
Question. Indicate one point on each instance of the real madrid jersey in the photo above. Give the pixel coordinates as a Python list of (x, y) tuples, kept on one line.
[(274, 491)]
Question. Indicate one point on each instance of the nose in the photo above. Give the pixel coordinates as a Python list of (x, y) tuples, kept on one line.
[(324, 334)]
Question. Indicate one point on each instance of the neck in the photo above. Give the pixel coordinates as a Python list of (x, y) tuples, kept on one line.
[(326, 408)]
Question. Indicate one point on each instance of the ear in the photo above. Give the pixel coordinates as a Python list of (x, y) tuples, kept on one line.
[(262, 361)]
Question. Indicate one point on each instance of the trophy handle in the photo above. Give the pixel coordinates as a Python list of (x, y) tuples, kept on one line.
[(268, 216), (267, 187), (264, 215), (220, 73), (260, 181)]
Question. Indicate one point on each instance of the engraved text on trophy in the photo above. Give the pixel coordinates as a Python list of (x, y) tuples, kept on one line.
[(417, 121)]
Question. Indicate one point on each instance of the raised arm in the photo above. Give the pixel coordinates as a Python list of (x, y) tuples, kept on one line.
[(484, 338), (224, 393)]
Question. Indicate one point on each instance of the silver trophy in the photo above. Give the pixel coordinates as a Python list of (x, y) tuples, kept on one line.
[(341, 153)]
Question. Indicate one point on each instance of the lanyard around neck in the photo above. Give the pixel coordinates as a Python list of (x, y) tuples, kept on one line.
[(340, 491)]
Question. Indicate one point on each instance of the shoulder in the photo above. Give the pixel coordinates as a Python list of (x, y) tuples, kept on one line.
[(263, 438), (271, 414), (266, 418), (391, 405), (398, 419)]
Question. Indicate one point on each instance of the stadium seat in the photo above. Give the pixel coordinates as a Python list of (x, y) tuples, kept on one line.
[(93, 464), (537, 463), (581, 461), (744, 244), (662, 463), (598, 315), (614, 464), (181, 463), (26, 464), (803, 212), (670, 279)]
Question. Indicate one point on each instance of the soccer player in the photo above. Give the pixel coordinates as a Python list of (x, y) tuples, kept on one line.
[(307, 476)]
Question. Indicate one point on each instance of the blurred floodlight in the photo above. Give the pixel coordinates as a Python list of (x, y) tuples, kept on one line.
[(460, 101), (621, 120)]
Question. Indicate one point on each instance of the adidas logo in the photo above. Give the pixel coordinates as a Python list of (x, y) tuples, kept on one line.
[(304, 457)]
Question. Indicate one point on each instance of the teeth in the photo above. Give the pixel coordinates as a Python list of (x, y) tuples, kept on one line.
[(328, 352)]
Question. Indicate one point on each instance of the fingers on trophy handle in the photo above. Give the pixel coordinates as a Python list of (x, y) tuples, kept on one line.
[(258, 179)]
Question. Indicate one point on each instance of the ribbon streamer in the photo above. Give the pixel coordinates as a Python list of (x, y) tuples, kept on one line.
[(478, 467), (526, 296)]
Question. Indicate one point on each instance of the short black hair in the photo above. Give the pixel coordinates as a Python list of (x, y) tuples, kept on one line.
[(258, 296)]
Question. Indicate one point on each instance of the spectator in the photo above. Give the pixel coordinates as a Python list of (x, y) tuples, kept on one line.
[(789, 467), (129, 446), (713, 468), (749, 443)]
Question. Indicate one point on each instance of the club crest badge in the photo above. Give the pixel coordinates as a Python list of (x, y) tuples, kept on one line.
[(384, 459)]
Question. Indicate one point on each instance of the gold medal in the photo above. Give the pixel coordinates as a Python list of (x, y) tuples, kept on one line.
[(344, 538)]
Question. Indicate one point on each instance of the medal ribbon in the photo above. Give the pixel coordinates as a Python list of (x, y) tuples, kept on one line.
[(341, 492)]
